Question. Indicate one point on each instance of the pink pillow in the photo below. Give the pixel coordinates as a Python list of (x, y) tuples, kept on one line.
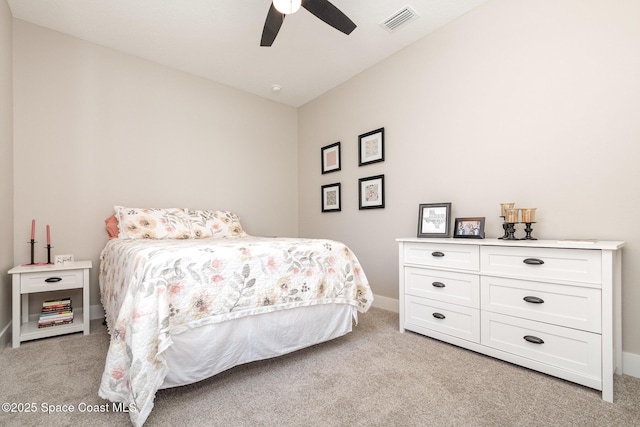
[(112, 227)]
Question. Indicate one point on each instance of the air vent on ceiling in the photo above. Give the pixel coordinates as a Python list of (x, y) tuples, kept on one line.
[(399, 18)]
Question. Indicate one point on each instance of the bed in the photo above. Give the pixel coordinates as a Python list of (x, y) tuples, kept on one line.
[(188, 294)]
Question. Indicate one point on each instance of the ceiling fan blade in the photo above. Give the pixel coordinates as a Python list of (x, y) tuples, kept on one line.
[(330, 14), (271, 26)]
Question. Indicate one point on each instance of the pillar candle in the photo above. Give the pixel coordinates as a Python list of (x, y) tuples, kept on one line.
[(512, 215), (33, 229), (504, 207), (528, 214)]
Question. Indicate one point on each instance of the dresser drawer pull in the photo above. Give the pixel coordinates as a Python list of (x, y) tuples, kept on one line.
[(437, 254), (533, 300), (534, 340), (438, 315), (437, 285), (533, 261), (53, 279)]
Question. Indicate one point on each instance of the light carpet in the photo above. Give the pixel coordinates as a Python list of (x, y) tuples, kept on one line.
[(374, 376)]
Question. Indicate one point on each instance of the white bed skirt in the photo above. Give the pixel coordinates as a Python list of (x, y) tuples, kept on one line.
[(200, 353)]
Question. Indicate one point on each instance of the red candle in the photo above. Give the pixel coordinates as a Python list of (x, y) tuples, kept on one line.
[(48, 235), (33, 229)]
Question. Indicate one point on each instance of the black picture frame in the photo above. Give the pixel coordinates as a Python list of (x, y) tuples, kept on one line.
[(330, 156), (371, 192), (434, 220), (371, 147), (331, 197), (469, 228)]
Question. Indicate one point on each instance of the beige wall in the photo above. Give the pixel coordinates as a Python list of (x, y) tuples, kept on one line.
[(6, 170), (533, 102), (96, 128)]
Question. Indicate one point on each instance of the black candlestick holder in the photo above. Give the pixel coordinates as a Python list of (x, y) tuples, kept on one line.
[(511, 231), (32, 242), (49, 254), (505, 226), (528, 230)]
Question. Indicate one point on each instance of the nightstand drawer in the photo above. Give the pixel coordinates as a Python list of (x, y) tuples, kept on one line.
[(455, 320), (446, 286), (565, 305), (564, 348), (542, 263), (463, 257), (51, 281)]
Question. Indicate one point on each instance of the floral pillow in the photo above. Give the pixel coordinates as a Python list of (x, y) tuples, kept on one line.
[(206, 224), (137, 223)]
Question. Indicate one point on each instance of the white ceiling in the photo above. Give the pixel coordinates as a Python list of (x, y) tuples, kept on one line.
[(220, 39)]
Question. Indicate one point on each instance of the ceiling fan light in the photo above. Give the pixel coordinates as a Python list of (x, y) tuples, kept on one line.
[(287, 6)]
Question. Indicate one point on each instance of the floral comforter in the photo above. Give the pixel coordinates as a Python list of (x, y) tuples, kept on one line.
[(153, 289)]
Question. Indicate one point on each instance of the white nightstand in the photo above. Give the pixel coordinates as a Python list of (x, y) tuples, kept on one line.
[(46, 278)]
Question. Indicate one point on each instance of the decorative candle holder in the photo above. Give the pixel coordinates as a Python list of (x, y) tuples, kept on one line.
[(504, 227), (504, 208), (32, 242), (528, 230), (511, 231), (48, 254)]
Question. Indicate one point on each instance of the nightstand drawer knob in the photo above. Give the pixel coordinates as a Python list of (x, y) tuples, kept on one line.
[(438, 315), (533, 300), (53, 279), (533, 261), (437, 285), (437, 254), (532, 339)]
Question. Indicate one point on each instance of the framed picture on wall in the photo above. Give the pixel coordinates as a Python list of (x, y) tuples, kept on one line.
[(331, 158), (470, 228), (331, 197), (371, 192), (434, 220), (371, 147)]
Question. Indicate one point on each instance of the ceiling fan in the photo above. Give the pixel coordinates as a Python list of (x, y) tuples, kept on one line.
[(320, 8)]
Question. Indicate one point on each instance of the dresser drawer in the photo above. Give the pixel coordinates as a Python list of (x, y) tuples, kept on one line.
[(572, 306), (446, 286), (455, 320), (564, 348), (542, 263), (50, 281), (463, 257)]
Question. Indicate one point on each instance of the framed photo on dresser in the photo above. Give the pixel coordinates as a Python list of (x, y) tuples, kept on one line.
[(470, 228), (434, 220)]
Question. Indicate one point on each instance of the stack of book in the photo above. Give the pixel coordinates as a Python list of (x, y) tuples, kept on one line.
[(56, 312)]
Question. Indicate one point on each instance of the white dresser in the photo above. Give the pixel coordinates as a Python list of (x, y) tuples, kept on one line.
[(546, 305)]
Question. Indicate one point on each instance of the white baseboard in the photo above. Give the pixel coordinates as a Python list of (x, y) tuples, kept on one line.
[(385, 303), (5, 337), (96, 312), (631, 364)]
